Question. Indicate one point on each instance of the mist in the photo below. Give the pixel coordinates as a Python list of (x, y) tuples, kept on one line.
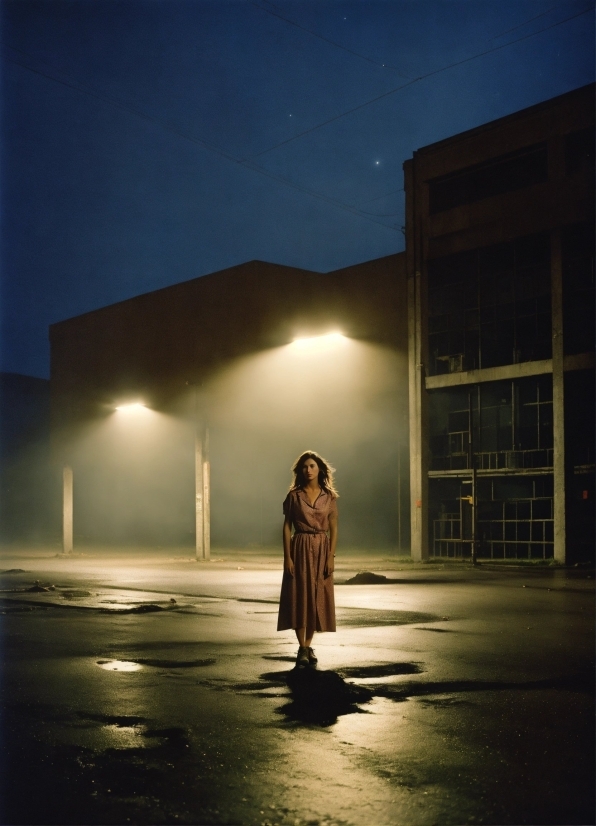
[(345, 399)]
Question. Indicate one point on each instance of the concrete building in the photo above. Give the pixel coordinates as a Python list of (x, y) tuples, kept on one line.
[(215, 349), (500, 265)]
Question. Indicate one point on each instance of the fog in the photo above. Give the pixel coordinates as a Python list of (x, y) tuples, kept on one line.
[(30, 492), (134, 469)]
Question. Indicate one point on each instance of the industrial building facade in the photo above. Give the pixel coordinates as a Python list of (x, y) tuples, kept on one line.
[(500, 264), (217, 352), (487, 320)]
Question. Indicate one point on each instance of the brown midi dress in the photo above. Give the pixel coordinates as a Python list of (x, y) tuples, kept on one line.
[(307, 599)]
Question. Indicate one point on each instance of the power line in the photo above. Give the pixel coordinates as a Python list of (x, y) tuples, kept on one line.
[(246, 163), (326, 39), (383, 214), (525, 22), (415, 80), (249, 163), (385, 195)]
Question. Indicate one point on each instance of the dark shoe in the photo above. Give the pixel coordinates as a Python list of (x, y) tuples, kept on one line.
[(312, 658), (302, 658)]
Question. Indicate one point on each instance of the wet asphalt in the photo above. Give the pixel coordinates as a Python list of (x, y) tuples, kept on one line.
[(141, 687)]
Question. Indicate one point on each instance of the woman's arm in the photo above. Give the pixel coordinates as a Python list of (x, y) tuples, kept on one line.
[(332, 542), (287, 540)]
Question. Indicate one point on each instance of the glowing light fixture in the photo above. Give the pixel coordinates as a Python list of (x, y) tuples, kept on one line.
[(131, 407), (319, 342)]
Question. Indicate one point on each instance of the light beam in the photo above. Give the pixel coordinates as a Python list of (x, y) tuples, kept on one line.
[(319, 342), (131, 407)]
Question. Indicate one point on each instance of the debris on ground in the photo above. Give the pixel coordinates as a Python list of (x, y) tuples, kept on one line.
[(366, 578)]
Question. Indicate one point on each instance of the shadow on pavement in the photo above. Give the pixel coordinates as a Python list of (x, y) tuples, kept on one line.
[(320, 697), (581, 682)]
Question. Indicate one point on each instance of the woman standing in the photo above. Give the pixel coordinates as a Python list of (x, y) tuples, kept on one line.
[(307, 603)]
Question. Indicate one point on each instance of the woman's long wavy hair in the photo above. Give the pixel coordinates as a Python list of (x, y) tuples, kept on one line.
[(326, 472)]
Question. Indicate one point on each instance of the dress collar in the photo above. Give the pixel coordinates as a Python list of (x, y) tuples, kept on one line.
[(305, 498)]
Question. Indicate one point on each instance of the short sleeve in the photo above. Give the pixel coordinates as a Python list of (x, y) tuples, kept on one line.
[(333, 506), (287, 505)]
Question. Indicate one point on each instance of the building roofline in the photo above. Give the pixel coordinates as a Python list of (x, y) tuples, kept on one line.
[(8, 374), (244, 264), (499, 122), (363, 263), (235, 267)]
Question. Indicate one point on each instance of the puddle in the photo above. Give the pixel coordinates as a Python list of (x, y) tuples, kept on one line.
[(145, 608), (138, 665), (119, 665), (121, 721), (436, 630), (384, 670), (177, 663), (320, 697), (370, 617), (12, 607), (104, 600), (279, 658), (75, 594), (125, 737), (191, 609)]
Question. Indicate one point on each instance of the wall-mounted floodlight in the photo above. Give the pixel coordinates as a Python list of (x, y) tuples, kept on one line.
[(319, 342), (131, 407)]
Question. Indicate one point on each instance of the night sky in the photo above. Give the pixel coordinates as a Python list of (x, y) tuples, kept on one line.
[(147, 143)]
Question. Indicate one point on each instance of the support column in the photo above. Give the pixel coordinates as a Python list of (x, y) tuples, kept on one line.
[(417, 390), (67, 509), (199, 515), (399, 498), (206, 499), (560, 550), (418, 459)]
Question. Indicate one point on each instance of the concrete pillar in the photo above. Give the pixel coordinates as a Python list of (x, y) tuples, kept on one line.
[(418, 513), (67, 509), (558, 399), (399, 543), (416, 373), (199, 514), (206, 499)]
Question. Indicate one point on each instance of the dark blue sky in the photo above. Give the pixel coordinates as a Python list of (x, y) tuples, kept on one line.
[(146, 143)]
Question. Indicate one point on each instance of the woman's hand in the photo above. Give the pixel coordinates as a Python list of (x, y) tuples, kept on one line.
[(288, 566), (329, 570)]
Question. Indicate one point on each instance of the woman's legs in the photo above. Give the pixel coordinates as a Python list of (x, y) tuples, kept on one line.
[(306, 656), (305, 636)]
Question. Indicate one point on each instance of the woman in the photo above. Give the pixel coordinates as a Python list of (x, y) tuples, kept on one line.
[(307, 603)]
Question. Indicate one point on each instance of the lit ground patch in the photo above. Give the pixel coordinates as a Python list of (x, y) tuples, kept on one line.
[(370, 617), (119, 665)]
